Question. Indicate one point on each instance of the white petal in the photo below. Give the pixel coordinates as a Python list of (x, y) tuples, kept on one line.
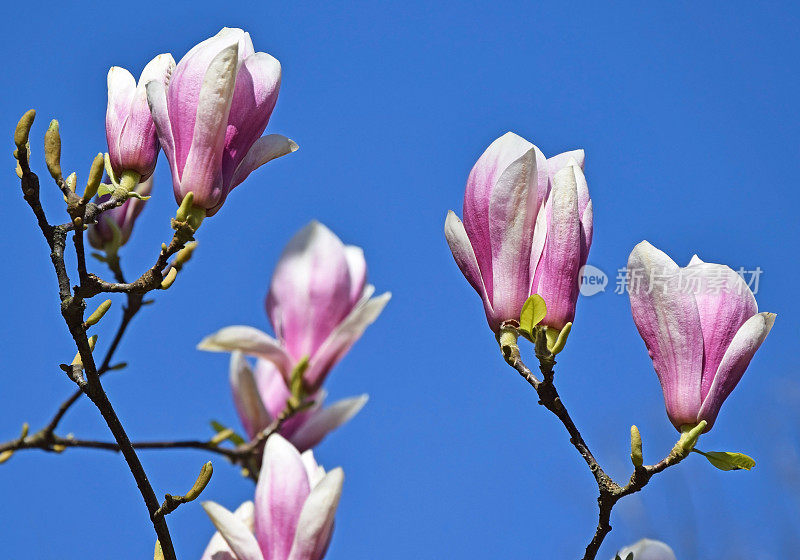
[(250, 341), (316, 519), (241, 539), (251, 409), (265, 149)]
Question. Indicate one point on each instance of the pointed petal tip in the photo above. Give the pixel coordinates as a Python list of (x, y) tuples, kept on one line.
[(695, 260), (207, 344)]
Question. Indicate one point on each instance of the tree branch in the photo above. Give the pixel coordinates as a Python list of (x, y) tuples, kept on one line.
[(609, 491), (243, 454), (72, 308)]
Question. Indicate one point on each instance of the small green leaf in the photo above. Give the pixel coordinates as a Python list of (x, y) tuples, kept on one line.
[(234, 438), (533, 311), (104, 189), (728, 461)]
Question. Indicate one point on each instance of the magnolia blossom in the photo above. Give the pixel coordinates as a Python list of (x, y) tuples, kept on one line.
[(292, 518), (122, 217), (700, 324), (527, 230), (647, 549), (261, 395), (211, 115), (130, 131), (318, 303)]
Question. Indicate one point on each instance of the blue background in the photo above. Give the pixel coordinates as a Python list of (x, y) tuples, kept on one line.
[(689, 118)]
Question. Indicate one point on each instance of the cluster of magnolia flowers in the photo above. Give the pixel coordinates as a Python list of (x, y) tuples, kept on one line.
[(526, 233), (207, 114), (318, 304), (524, 239), (527, 230)]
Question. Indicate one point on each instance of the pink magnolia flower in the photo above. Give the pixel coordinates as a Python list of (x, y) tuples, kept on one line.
[(701, 326), (527, 229), (130, 131), (292, 518), (261, 395), (122, 217), (211, 115), (648, 549), (319, 305)]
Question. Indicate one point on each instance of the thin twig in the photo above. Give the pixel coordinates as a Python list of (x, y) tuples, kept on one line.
[(46, 440)]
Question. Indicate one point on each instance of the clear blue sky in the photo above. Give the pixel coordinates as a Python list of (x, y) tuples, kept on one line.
[(689, 118)]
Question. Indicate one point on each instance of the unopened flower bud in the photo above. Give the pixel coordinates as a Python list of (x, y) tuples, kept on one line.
[(169, 279), (636, 447), (702, 339), (95, 176), (52, 150), (95, 317), (23, 129), (130, 131)]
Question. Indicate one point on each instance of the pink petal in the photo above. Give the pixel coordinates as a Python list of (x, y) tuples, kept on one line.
[(271, 386), (325, 421), (202, 172), (137, 141), (265, 149), (734, 363), (186, 84), (556, 275), (499, 215), (237, 535), (281, 492), (587, 230), (121, 89), (157, 100), (316, 520), (465, 258), (343, 337), (669, 324), (246, 397), (250, 341), (257, 84), (724, 302), (310, 290)]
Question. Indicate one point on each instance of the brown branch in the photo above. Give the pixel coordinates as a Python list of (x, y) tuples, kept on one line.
[(128, 313), (151, 279), (72, 308), (609, 491), (243, 454)]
